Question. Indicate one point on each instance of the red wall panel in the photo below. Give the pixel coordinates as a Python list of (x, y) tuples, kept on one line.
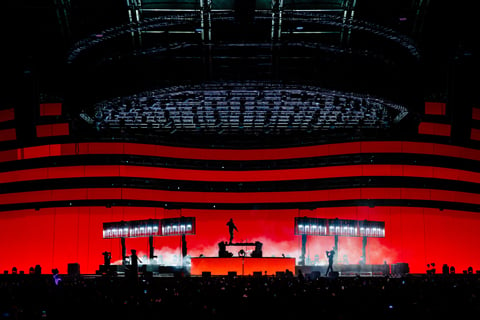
[(27, 239), (50, 109), (44, 130), (239, 176), (8, 134), (84, 254), (66, 237), (35, 152), (7, 115), (60, 129), (258, 154), (475, 134), (435, 108), (381, 146), (56, 129), (9, 155), (476, 113), (237, 197), (438, 129)]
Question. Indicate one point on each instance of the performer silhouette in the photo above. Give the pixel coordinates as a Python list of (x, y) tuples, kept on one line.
[(231, 228), (134, 259), (107, 256), (330, 255)]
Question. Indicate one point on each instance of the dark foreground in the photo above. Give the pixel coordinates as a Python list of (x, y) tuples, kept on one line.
[(282, 297)]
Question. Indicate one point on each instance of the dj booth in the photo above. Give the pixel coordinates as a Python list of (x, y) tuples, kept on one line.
[(241, 266)]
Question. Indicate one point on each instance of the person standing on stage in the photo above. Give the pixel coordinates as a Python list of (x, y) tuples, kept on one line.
[(231, 228), (330, 255), (107, 256), (134, 259)]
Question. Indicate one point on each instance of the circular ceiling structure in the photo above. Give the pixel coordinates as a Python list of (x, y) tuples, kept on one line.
[(249, 108), (222, 72)]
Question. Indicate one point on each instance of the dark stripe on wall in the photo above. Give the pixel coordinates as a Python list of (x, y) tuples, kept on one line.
[(112, 194), (240, 187), (441, 205), (354, 159)]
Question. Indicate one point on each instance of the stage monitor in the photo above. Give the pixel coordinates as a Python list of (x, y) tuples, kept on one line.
[(149, 228), (339, 227)]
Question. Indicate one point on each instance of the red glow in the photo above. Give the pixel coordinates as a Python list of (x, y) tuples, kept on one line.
[(245, 155), (55, 237)]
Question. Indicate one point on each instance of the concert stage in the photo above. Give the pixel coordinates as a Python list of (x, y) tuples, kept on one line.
[(243, 266)]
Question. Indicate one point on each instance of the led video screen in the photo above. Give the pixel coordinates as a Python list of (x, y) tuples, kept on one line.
[(339, 227)]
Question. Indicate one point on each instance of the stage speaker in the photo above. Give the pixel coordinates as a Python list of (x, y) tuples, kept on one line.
[(206, 274), (333, 274), (400, 268), (315, 275), (257, 273), (73, 269), (445, 269), (232, 273), (257, 253)]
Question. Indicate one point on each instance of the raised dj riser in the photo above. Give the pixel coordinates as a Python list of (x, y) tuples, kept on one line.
[(241, 265)]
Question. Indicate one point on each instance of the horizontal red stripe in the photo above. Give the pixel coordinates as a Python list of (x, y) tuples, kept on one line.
[(7, 115), (8, 135), (56, 129), (476, 113), (239, 176), (475, 134), (51, 109), (438, 129), (232, 197), (111, 148), (436, 108)]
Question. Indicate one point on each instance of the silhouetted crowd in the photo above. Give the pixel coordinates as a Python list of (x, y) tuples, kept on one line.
[(54, 296)]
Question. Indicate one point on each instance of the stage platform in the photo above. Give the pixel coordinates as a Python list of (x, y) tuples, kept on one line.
[(154, 269), (355, 269), (245, 266), (241, 266)]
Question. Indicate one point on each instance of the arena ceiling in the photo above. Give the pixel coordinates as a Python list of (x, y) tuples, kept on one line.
[(85, 52)]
